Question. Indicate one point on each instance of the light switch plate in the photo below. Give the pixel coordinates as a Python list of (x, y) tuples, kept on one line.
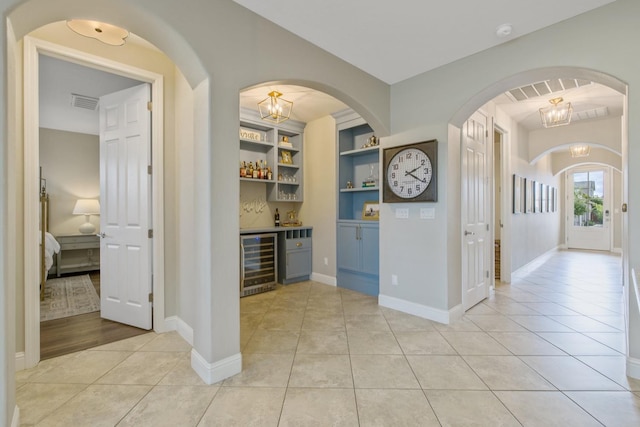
[(402, 213), (427, 213)]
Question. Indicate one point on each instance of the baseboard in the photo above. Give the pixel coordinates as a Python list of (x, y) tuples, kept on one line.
[(633, 367), (323, 278), (212, 373), (537, 261), (20, 361), (426, 312), (174, 323), (15, 420)]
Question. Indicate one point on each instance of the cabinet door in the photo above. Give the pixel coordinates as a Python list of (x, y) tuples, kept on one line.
[(348, 246), (369, 240), (298, 263)]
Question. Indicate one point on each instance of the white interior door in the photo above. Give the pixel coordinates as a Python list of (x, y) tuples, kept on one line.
[(475, 211), (125, 247), (588, 209)]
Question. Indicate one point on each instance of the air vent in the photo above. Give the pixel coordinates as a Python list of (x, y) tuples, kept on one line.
[(544, 88), (594, 113), (83, 101)]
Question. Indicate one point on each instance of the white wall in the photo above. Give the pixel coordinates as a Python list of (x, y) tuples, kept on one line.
[(71, 165), (319, 207)]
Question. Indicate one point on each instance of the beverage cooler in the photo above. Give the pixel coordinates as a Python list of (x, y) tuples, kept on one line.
[(258, 263)]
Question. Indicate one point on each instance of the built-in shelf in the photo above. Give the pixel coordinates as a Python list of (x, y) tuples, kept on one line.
[(360, 151), (359, 189)]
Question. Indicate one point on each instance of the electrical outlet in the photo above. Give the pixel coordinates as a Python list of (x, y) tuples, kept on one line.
[(402, 213), (394, 280), (427, 213), (326, 261)]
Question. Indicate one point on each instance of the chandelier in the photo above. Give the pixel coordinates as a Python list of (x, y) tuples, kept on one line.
[(274, 108), (580, 150), (558, 114)]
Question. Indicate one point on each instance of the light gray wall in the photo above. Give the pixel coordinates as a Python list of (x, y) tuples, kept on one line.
[(70, 163), (422, 107)]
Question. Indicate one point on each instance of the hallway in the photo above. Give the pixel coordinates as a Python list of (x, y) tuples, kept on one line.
[(546, 350)]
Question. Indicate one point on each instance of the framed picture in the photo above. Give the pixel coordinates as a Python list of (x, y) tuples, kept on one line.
[(535, 190), (528, 195), (286, 157), (517, 194), (371, 211)]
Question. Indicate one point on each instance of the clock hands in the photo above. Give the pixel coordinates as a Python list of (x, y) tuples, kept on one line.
[(410, 173)]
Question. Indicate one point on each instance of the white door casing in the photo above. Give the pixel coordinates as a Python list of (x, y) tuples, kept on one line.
[(475, 211), (125, 218), (591, 230)]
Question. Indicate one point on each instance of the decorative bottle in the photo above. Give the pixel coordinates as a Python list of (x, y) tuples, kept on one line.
[(277, 218)]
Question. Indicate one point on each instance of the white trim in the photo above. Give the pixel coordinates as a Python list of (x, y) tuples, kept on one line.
[(32, 48), (633, 367), (15, 421), (212, 373), (174, 323), (441, 316), (20, 361), (323, 278), (536, 262), (616, 250)]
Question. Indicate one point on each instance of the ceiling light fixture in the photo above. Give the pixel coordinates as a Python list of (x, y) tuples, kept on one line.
[(106, 33), (274, 108), (504, 30), (558, 114), (580, 150)]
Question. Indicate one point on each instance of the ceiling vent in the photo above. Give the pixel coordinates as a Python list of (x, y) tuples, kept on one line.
[(594, 113), (544, 88), (83, 101)]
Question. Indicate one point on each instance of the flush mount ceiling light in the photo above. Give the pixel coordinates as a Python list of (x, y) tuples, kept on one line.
[(106, 33), (504, 30), (274, 108), (580, 150), (558, 114)]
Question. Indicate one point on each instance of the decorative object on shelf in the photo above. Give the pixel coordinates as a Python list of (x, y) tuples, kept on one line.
[(349, 184), (87, 207), (250, 135), (371, 142), (276, 218), (286, 157), (292, 219), (371, 211), (558, 114), (580, 150), (372, 180), (275, 109), (106, 33), (410, 173), (284, 142)]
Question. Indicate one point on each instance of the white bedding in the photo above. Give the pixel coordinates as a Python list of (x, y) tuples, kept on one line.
[(51, 247)]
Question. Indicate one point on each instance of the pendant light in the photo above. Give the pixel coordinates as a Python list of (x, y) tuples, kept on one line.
[(580, 150), (558, 114), (274, 108)]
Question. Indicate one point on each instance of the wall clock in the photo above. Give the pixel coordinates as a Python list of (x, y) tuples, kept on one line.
[(410, 173)]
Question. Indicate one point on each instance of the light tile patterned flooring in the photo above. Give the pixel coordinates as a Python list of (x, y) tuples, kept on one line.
[(546, 350)]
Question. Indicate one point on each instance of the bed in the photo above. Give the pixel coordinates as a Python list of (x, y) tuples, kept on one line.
[(49, 246)]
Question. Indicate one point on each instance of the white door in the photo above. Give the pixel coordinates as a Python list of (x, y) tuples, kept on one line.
[(475, 211), (588, 209), (125, 247)]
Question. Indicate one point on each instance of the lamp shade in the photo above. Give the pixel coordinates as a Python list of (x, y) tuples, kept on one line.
[(87, 207)]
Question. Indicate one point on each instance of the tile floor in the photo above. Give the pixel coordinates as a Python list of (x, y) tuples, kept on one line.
[(546, 350)]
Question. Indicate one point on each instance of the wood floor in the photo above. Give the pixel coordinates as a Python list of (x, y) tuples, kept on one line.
[(70, 334)]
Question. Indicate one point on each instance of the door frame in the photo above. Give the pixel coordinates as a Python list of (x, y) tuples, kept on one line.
[(32, 48), (505, 203)]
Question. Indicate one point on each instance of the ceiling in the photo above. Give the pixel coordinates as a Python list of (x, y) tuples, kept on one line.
[(397, 40)]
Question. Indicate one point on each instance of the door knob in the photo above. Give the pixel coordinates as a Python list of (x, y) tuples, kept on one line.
[(102, 235), (469, 233)]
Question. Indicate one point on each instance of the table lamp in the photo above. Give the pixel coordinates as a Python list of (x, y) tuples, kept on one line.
[(87, 207)]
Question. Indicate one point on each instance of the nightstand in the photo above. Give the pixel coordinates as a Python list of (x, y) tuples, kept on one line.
[(78, 252)]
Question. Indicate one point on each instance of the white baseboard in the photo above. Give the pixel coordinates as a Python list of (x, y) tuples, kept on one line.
[(15, 420), (323, 278), (426, 312), (633, 367), (20, 361), (174, 323), (212, 373), (536, 262)]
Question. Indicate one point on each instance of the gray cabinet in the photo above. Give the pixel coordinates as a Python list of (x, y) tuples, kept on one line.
[(358, 166), (358, 256), (78, 253), (295, 255)]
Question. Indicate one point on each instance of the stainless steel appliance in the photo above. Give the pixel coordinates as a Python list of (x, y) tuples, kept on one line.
[(258, 263)]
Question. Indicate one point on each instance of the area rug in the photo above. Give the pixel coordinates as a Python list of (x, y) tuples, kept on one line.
[(68, 296)]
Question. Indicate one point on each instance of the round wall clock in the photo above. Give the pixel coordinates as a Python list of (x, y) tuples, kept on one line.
[(410, 173)]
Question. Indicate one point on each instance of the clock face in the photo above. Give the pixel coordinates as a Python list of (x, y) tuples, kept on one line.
[(409, 173)]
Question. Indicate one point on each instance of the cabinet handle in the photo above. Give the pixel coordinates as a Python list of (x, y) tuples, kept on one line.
[(287, 260), (298, 244), (242, 263)]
